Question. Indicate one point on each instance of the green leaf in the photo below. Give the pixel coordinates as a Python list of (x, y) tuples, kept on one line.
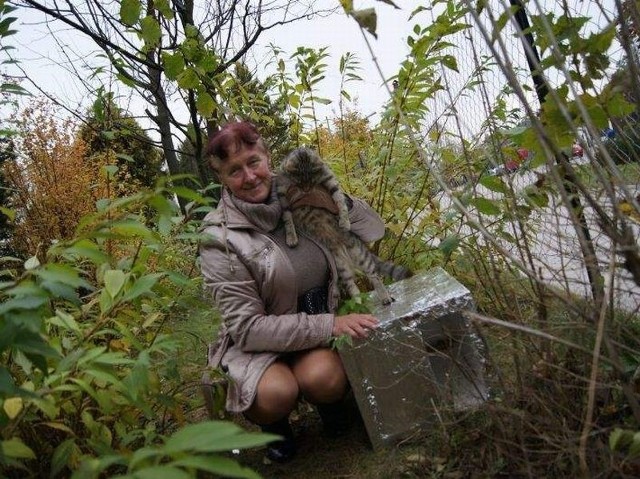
[(61, 456), (131, 228), (62, 273), (29, 302), (221, 466), (450, 62), (106, 301), (150, 31), (205, 104), (141, 455), (634, 448), (5, 24), (125, 157), (494, 183), (536, 197), (208, 62), (214, 436), (188, 79), (164, 472), (15, 448), (9, 213), (113, 281), (130, 12), (173, 64), (449, 245), (619, 438), (485, 206), (347, 5), (62, 291), (367, 19), (164, 8), (601, 41), (87, 249), (500, 23), (65, 321), (126, 79), (142, 286), (389, 2), (110, 170), (7, 386), (189, 194), (618, 106)]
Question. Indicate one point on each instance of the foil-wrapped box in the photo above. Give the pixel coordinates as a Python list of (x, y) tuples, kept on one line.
[(422, 360)]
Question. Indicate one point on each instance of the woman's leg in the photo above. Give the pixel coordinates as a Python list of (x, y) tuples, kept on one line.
[(320, 375), (323, 382), (276, 395)]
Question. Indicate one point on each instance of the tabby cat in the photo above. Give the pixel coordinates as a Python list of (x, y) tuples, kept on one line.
[(304, 169)]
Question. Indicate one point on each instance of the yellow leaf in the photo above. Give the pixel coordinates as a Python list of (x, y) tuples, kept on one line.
[(12, 407), (627, 209), (119, 345), (59, 426)]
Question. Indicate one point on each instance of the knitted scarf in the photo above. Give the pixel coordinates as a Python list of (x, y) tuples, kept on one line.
[(265, 216)]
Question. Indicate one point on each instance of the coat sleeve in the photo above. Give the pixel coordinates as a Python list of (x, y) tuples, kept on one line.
[(237, 296), (365, 222)]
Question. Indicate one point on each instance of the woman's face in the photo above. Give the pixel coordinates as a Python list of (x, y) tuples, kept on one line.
[(246, 173)]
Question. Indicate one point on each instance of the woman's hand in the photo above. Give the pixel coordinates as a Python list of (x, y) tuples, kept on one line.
[(355, 325)]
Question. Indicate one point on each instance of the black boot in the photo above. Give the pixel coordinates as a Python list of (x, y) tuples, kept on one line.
[(336, 418), (282, 450)]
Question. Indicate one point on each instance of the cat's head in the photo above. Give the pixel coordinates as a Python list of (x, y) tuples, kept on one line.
[(303, 166)]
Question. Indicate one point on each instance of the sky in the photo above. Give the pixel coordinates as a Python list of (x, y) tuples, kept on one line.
[(48, 66), (341, 34)]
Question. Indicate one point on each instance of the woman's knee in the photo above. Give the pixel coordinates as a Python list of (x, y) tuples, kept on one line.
[(320, 375), (276, 395)]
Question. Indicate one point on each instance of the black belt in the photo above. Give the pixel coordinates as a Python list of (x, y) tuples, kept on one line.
[(314, 301)]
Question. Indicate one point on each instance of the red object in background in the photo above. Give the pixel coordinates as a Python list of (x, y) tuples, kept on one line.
[(577, 150), (523, 154), (511, 165)]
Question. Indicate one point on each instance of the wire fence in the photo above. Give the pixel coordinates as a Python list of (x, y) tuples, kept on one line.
[(476, 59)]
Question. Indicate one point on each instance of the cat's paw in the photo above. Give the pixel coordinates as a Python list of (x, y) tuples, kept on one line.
[(292, 240), (386, 301), (344, 223)]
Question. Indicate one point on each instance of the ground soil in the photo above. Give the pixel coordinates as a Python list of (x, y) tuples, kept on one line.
[(321, 457)]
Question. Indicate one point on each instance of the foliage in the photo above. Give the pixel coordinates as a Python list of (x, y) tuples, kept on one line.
[(52, 184), (114, 138), (300, 90), (9, 90), (6, 213), (258, 104), (177, 53), (88, 381), (625, 147), (561, 403)]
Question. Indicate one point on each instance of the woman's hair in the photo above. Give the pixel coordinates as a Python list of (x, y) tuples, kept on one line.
[(232, 137)]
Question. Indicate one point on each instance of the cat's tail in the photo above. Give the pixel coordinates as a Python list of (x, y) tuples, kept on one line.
[(368, 262), (391, 270)]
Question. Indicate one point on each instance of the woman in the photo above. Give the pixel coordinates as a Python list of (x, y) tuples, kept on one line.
[(276, 319)]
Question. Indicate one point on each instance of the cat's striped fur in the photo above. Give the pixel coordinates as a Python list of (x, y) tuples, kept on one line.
[(305, 169)]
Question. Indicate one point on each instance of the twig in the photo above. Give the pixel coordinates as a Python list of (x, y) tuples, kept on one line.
[(588, 420)]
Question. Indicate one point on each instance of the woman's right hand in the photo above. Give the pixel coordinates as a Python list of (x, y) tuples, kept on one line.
[(355, 325)]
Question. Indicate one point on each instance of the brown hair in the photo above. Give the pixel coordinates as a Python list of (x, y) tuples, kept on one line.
[(232, 137)]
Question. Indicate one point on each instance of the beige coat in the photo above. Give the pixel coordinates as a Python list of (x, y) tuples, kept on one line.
[(253, 285)]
